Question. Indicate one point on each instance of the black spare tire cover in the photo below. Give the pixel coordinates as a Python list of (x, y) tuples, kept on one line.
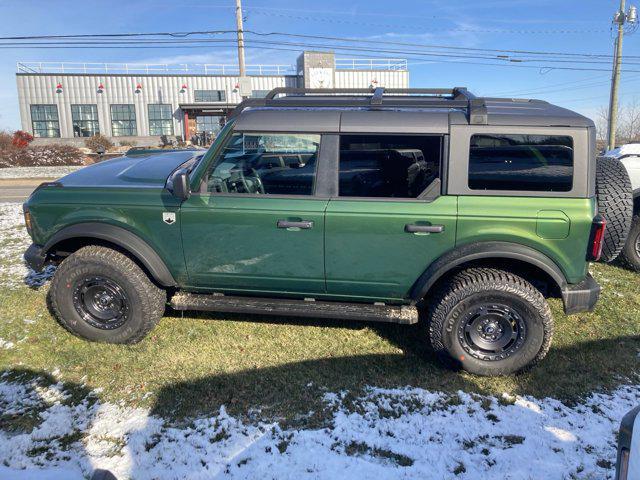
[(615, 202)]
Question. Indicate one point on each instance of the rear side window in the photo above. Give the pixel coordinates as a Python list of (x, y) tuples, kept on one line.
[(535, 163), (391, 166)]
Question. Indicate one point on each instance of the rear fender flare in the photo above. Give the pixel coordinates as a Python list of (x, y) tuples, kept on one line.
[(121, 237), (481, 250)]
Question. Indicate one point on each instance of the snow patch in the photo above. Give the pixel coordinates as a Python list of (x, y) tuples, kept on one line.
[(383, 434), (15, 240)]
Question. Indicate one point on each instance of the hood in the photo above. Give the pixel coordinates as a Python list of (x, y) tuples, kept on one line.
[(136, 171)]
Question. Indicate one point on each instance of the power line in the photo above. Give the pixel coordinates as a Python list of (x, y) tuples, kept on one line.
[(319, 37)]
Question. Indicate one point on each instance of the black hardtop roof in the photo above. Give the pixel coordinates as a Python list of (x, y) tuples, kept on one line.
[(458, 105)]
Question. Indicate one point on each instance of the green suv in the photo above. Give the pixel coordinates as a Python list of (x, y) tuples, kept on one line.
[(377, 206)]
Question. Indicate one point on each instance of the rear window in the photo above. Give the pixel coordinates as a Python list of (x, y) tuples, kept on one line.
[(535, 163)]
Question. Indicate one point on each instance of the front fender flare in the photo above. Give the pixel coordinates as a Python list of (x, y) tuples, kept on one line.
[(480, 250), (121, 237)]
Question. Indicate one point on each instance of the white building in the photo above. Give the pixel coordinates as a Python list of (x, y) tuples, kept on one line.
[(64, 102)]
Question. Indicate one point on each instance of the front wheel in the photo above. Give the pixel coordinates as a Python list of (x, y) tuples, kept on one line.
[(489, 322), (102, 295)]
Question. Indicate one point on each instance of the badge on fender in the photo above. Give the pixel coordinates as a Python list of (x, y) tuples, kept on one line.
[(169, 217)]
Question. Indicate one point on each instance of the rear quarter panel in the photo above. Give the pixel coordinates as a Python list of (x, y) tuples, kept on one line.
[(557, 227)]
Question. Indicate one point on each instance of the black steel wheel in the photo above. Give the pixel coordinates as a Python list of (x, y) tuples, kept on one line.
[(103, 295), (101, 302), (489, 322), (492, 331)]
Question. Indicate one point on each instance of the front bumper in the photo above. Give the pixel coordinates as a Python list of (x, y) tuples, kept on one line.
[(581, 297), (35, 257)]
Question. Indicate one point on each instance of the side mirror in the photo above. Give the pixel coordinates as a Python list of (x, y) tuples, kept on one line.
[(180, 184)]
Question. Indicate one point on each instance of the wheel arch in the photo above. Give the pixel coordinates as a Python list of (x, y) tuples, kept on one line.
[(79, 235), (511, 255)]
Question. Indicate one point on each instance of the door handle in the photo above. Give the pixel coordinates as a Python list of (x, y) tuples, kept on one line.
[(301, 224), (413, 228)]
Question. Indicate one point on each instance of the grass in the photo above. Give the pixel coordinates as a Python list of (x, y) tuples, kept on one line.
[(279, 368)]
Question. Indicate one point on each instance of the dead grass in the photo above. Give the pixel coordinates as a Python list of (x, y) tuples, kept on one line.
[(276, 367)]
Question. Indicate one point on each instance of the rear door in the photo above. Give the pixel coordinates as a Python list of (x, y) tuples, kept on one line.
[(389, 220), (257, 224)]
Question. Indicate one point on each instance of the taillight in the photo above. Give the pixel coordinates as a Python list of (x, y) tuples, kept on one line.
[(598, 227)]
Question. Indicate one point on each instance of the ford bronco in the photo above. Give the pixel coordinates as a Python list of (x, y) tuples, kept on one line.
[(360, 205)]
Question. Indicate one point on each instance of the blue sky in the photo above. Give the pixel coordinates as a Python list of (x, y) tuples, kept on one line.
[(541, 25)]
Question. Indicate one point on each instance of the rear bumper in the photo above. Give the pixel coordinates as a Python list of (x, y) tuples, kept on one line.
[(35, 257), (581, 297)]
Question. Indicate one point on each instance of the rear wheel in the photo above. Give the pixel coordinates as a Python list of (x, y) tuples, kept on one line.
[(489, 322), (102, 295), (631, 252)]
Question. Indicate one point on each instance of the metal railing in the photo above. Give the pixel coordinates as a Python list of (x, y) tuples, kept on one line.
[(371, 64), (393, 64), (152, 68)]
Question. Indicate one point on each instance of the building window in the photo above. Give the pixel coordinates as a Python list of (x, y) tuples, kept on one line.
[(533, 163), (85, 120), (209, 123), (259, 93), (210, 95), (389, 166), (44, 121), (123, 121), (160, 119)]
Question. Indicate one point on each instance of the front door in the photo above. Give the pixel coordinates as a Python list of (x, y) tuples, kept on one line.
[(256, 225), (389, 221)]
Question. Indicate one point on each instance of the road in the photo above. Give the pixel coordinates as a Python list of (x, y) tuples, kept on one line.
[(18, 189)]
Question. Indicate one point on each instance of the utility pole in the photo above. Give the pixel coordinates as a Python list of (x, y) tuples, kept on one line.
[(620, 18), (241, 65)]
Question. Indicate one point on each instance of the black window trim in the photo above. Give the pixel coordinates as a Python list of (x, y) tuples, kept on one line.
[(318, 193), (428, 198)]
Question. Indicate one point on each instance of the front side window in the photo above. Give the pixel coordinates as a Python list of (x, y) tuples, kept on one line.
[(209, 95), (44, 121), (266, 163), (123, 120), (160, 119), (535, 163), (391, 166), (85, 120)]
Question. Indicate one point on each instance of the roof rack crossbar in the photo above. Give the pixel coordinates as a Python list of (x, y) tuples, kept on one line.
[(458, 97)]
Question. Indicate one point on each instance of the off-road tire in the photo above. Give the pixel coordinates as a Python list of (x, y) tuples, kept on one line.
[(630, 254), (146, 302), (615, 202), (465, 291)]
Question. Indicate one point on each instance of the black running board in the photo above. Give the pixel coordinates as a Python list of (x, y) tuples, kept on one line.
[(406, 314)]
